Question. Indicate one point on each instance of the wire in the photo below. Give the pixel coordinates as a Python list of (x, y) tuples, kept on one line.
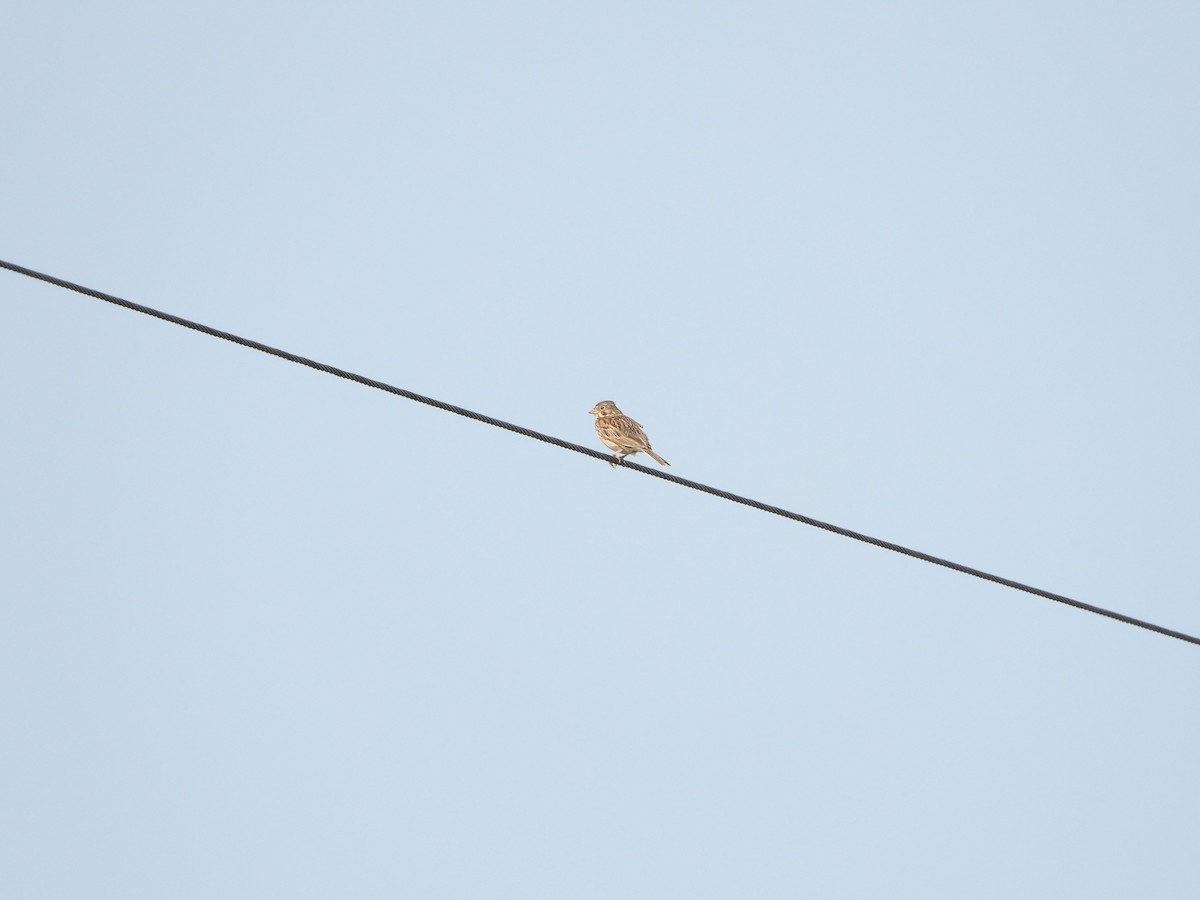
[(587, 451)]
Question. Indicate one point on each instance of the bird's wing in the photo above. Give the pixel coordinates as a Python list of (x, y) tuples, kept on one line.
[(632, 432)]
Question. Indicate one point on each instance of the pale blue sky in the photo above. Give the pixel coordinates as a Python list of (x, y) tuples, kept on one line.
[(928, 271)]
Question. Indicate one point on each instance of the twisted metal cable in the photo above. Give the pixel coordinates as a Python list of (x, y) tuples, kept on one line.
[(587, 451)]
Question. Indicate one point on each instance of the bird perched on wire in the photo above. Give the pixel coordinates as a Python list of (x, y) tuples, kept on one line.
[(621, 434)]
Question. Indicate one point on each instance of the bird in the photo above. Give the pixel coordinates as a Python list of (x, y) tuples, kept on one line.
[(621, 434)]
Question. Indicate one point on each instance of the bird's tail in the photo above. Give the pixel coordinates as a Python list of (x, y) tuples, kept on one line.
[(658, 459)]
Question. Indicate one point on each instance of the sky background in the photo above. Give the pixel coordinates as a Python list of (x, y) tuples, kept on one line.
[(928, 271)]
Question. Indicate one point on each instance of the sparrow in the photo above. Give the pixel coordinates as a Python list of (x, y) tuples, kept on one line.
[(621, 434)]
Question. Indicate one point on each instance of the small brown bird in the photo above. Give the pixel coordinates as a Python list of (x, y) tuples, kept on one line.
[(620, 433)]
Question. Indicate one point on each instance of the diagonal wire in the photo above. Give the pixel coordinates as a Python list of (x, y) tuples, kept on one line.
[(587, 451)]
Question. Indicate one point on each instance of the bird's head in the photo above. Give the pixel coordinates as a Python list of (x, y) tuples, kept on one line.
[(605, 408)]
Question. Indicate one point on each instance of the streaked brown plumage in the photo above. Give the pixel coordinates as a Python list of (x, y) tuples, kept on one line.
[(620, 433)]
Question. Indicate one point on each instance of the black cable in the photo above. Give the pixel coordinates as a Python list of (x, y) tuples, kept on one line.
[(567, 445)]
